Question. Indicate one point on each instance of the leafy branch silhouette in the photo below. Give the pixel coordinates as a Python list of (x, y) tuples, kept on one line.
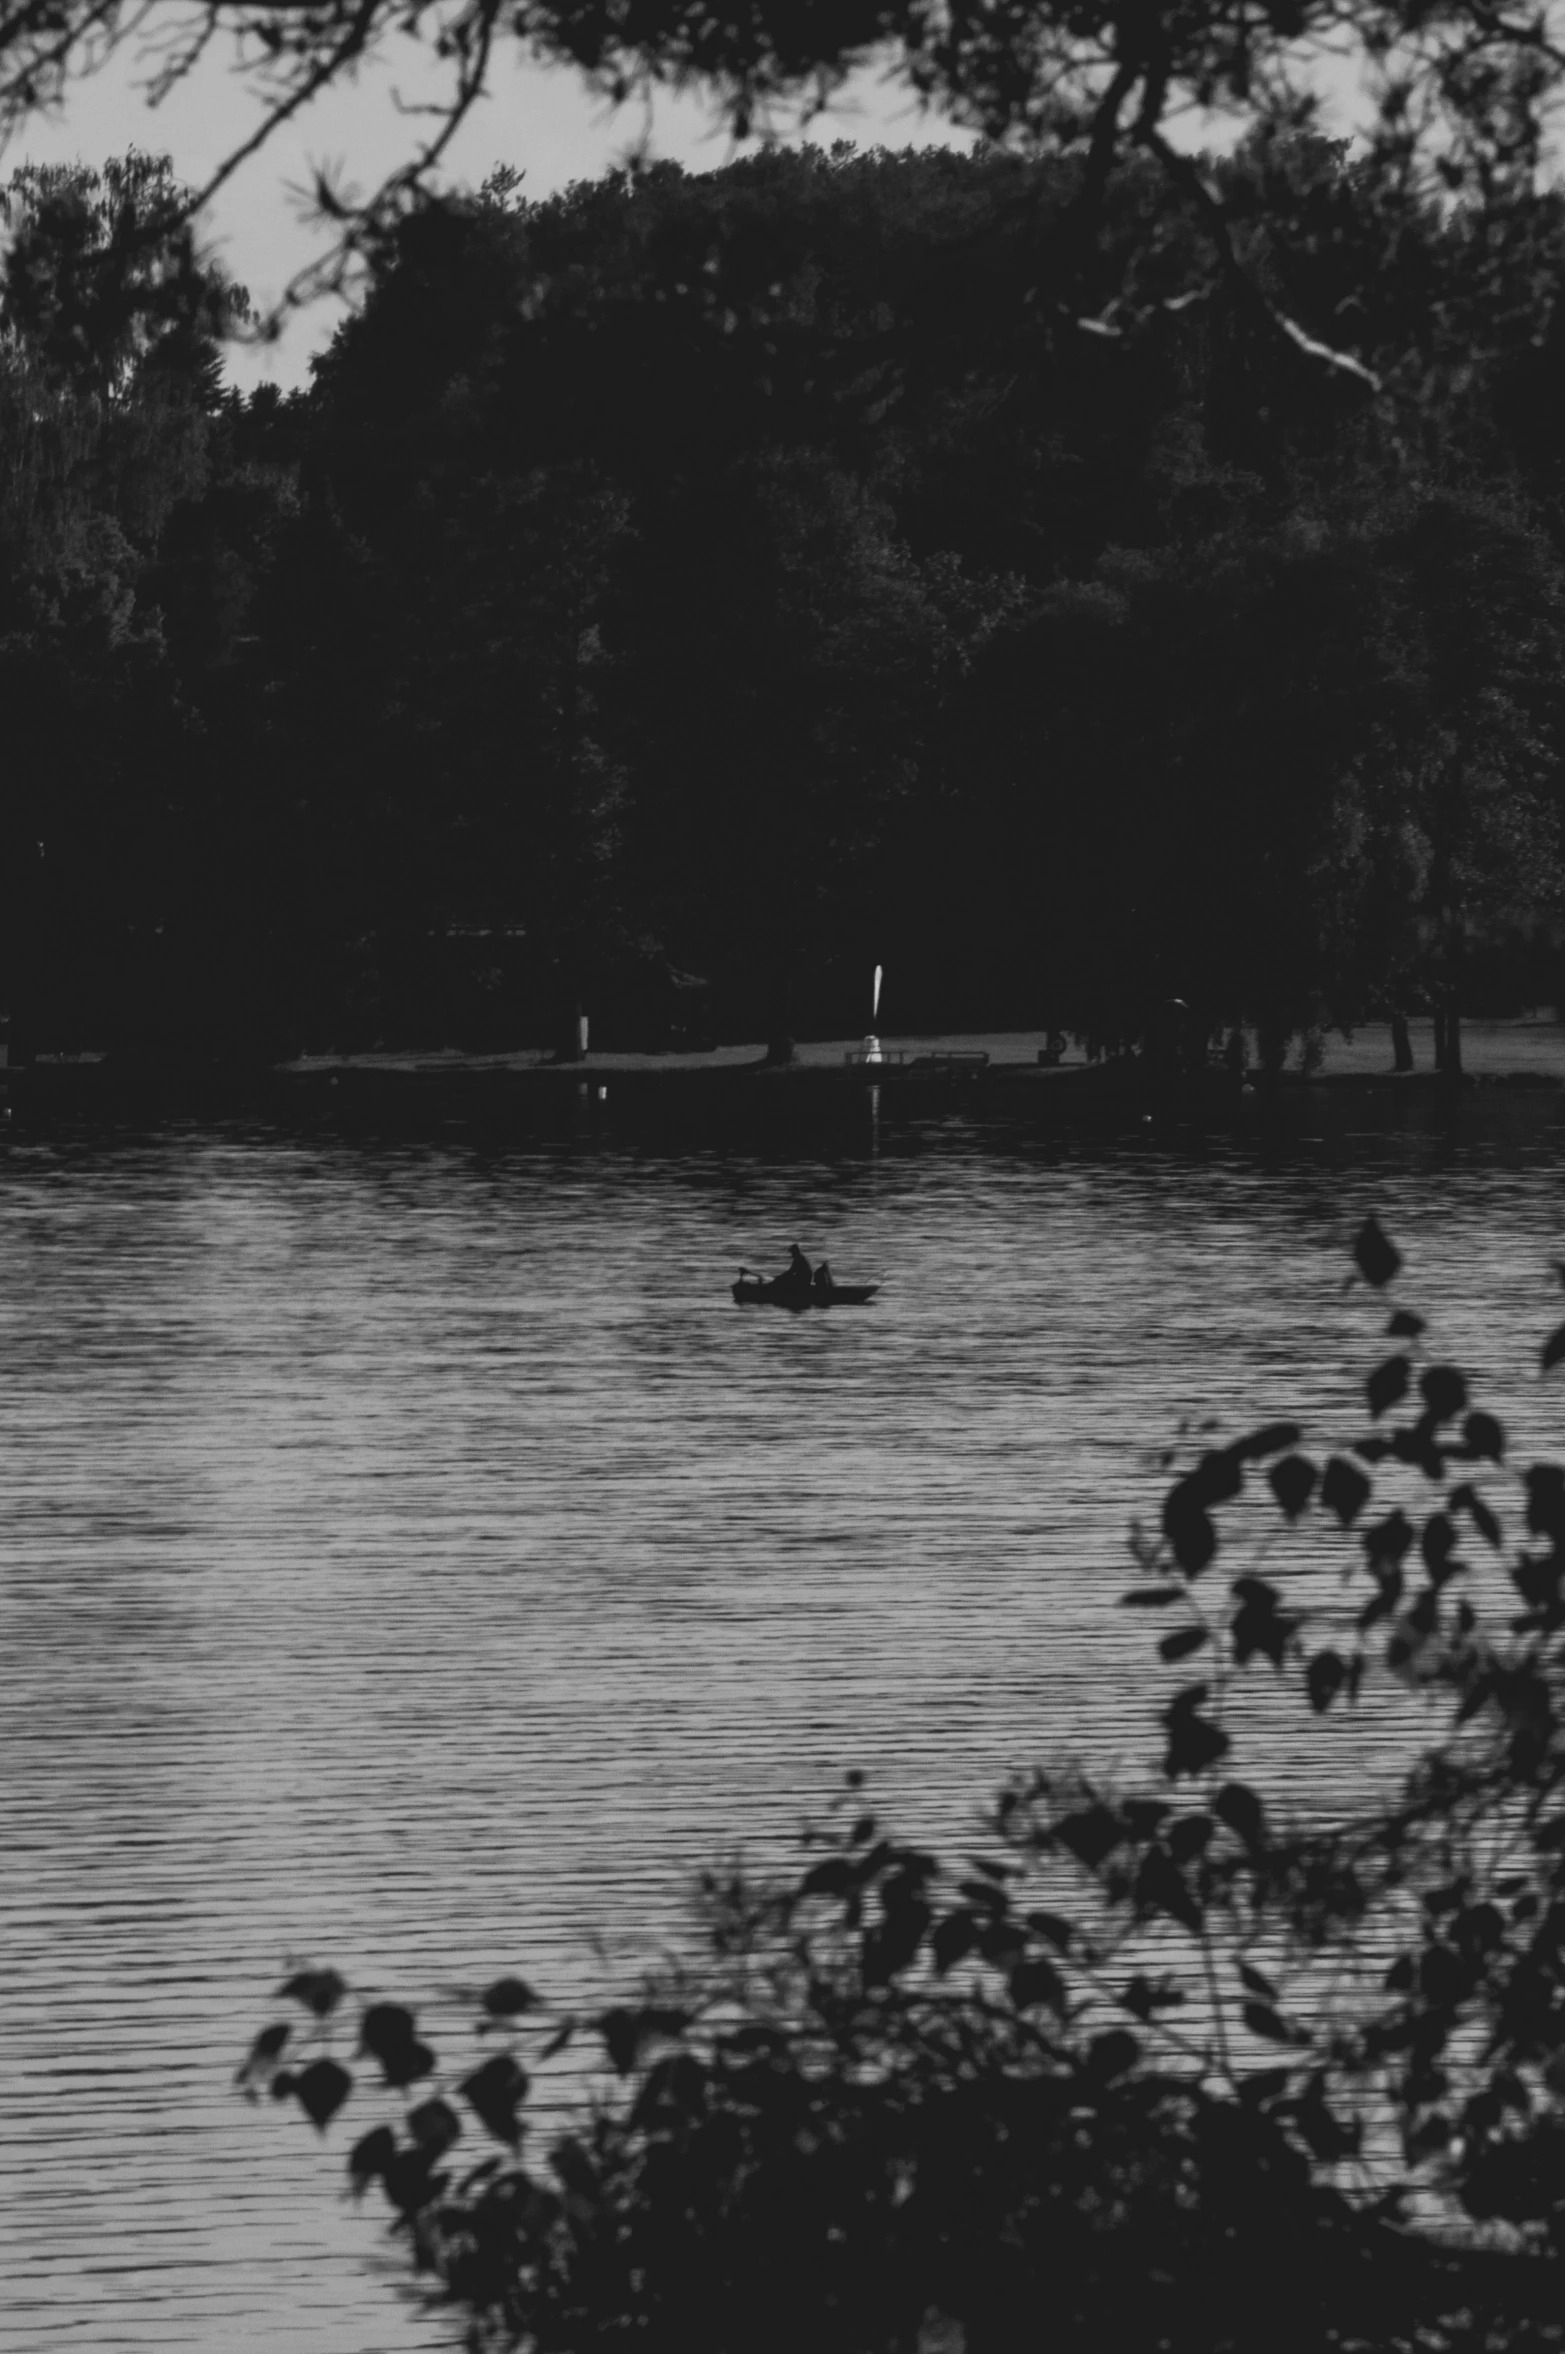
[(1166, 2064)]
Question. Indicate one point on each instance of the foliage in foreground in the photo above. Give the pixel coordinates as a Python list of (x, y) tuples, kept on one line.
[(1461, 96), (1158, 2070)]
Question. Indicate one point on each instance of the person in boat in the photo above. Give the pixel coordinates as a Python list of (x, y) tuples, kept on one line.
[(796, 1277), (823, 1284)]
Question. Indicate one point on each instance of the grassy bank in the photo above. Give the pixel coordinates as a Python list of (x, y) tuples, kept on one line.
[(1529, 1048)]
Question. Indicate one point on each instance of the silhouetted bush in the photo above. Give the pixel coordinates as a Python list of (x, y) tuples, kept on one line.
[(1176, 2068)]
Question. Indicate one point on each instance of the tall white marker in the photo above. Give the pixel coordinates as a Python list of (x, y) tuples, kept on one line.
[(872, 1053)]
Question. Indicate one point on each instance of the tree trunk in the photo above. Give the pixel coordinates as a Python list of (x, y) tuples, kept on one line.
[(1440, 1037), (1401, 1043), (780, 1005), (1453, 1038)]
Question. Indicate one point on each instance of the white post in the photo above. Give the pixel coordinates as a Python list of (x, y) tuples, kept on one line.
[(872, 1053)]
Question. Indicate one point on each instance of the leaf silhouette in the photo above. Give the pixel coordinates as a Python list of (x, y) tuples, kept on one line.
[(1217, 1478), (1037, 1981), (953, 1939), (1161, 1887), (1190, 1532), (508, 1998), (1385, 1601), (1444, 1391), (370, 2156), (263, 2051), (625, 2032), (1263, 2020), (1437, 1544), (1092, 1834), (320, 1991), (494, 2093), (386, 2032), (1388, 1384), (1485, 1437), (1112, 2054), (321, 2090), (1375, 1255), (1324, 1678), (410, 2180), (1147, 1996), (1389, 1540), (1443, 1977), (1554, 1348), (1344, 1490), (407, 2064), (1189, 1836), (1292, 1482), (434, 2125), (385, 2028), (1182, 1642), (1242, 1811), (893, 1942), (1322, 2131), (1193, 1742), (1258, 1624)]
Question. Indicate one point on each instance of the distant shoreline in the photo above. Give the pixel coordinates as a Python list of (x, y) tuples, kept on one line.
[(1527, 1049), (1526, 1052)]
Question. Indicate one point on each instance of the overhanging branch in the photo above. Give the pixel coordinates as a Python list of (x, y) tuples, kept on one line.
[(1187, 175)]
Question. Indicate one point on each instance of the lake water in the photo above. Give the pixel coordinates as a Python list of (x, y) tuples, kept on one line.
[(410, 1558)]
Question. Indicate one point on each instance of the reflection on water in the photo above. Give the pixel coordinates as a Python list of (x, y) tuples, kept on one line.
[(410, 1557)]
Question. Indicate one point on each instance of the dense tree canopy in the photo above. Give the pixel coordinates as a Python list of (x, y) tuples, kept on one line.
[(109, 380), (104, 284), (747, 578)]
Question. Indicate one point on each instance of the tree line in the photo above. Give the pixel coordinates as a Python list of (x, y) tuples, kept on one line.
[(672, 598)]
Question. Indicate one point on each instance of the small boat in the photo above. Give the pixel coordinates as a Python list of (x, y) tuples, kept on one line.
[(754, 1291)]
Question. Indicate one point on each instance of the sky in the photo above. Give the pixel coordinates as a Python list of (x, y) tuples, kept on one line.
[(542, 121)]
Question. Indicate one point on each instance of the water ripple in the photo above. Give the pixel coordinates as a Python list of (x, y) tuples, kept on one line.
[(409, 1556)]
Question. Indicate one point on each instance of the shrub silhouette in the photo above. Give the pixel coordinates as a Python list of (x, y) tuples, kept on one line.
[(1161, 2069)]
